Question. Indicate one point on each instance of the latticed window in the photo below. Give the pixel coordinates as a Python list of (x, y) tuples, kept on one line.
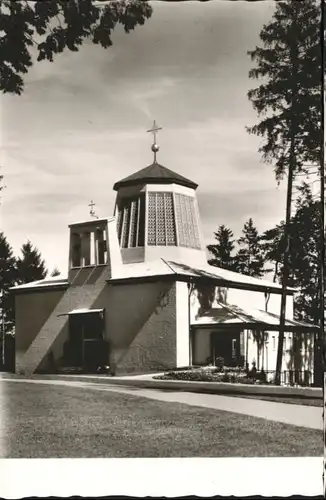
[(187, 224), (130, 222), (133, 223), (161, 224), (125, 227)]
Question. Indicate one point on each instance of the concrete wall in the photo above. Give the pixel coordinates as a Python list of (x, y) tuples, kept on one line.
[(294, 358), (32, 309), (140, 324), (143, 334), (201, 345), (245, 299), (182, 324), (252, 299)]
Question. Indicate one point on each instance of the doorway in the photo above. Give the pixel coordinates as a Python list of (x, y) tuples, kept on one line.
[(226, 345), (86, 348)]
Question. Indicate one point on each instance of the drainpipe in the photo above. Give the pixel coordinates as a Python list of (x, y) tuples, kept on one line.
[(267, 297), (247, 349), (189, 324)]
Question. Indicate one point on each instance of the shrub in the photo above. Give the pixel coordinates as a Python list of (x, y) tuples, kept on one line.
[(225, 377), (205, 375), (219, 363)]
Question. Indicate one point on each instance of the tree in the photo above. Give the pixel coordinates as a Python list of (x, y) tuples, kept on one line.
[(304, 256), (7, 279), (249, 258), (288, 102), (55, 272), (30, 266), (272, 244), (53, 26), (222, 249)]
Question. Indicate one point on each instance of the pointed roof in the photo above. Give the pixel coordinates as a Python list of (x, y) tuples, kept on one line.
[(155, 174)]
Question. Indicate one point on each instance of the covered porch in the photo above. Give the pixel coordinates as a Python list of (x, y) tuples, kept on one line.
[(235, 337)]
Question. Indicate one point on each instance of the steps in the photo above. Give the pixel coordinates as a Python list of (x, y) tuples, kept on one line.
[(75, 297)]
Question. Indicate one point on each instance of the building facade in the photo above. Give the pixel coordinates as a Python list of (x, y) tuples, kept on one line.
[(140, 296)]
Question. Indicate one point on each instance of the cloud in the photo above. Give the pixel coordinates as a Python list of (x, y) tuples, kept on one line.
[(81, 124)]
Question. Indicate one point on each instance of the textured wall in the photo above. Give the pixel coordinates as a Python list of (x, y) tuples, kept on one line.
[(154, 345), (201, 345), (32, 309), (140, 323), (246, 299), (182, 324)]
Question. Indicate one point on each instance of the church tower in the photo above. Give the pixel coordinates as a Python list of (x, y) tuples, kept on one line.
[(157, 215)]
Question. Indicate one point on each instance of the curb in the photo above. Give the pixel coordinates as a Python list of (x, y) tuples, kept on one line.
[(189, 386)]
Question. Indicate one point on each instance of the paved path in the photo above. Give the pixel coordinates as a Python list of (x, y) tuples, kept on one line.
[(298, 415)]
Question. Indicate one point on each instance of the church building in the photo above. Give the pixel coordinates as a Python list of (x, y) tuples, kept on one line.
[(140, 296)]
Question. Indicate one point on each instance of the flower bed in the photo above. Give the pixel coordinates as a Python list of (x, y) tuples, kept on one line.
[(209, 374)]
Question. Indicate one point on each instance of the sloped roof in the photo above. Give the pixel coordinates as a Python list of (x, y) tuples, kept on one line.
[(47, 282), (218, 273), (232, 315), (155, 174), (162, 267)]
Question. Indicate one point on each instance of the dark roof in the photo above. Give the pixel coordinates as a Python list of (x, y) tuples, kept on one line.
[(155, 174)]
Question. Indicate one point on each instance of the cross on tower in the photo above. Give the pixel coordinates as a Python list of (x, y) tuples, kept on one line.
[(155, 148), (154, 130), (92, 211)]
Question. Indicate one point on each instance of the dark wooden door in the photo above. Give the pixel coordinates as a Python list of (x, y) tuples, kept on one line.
[(226, 345)]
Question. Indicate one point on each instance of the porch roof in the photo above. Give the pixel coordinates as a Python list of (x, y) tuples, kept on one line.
[(231, 315), (85, 311)]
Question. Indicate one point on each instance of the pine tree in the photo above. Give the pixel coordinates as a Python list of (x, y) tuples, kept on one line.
[(289, 103), (222, 250), (55, 272), (272, 245), (304, 260), (8, 278), (30, 266), (250, 258)]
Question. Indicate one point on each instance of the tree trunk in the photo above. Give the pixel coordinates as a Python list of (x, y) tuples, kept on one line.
[(286, 263), (321, 337)]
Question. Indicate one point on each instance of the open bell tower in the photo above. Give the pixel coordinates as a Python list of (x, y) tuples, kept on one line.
[(157, 215)]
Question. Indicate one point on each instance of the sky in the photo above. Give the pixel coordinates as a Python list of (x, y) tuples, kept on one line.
[(81, 125)]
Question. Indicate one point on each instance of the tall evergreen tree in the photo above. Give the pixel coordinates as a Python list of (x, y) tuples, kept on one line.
[(8, 278), (55, 272), (288, 102), (304, 256), (30, 266), (222, 250), (250, 258), (272, 244)]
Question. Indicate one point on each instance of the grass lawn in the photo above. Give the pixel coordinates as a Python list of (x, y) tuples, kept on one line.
[(43, 421)]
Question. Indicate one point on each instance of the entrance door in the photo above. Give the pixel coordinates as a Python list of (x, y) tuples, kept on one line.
[(86, 346), (226, 345)]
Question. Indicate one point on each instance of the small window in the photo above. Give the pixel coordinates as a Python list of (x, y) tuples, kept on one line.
[(234, 348)]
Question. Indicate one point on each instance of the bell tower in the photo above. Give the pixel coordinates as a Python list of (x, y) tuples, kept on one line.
[(157, 215)]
